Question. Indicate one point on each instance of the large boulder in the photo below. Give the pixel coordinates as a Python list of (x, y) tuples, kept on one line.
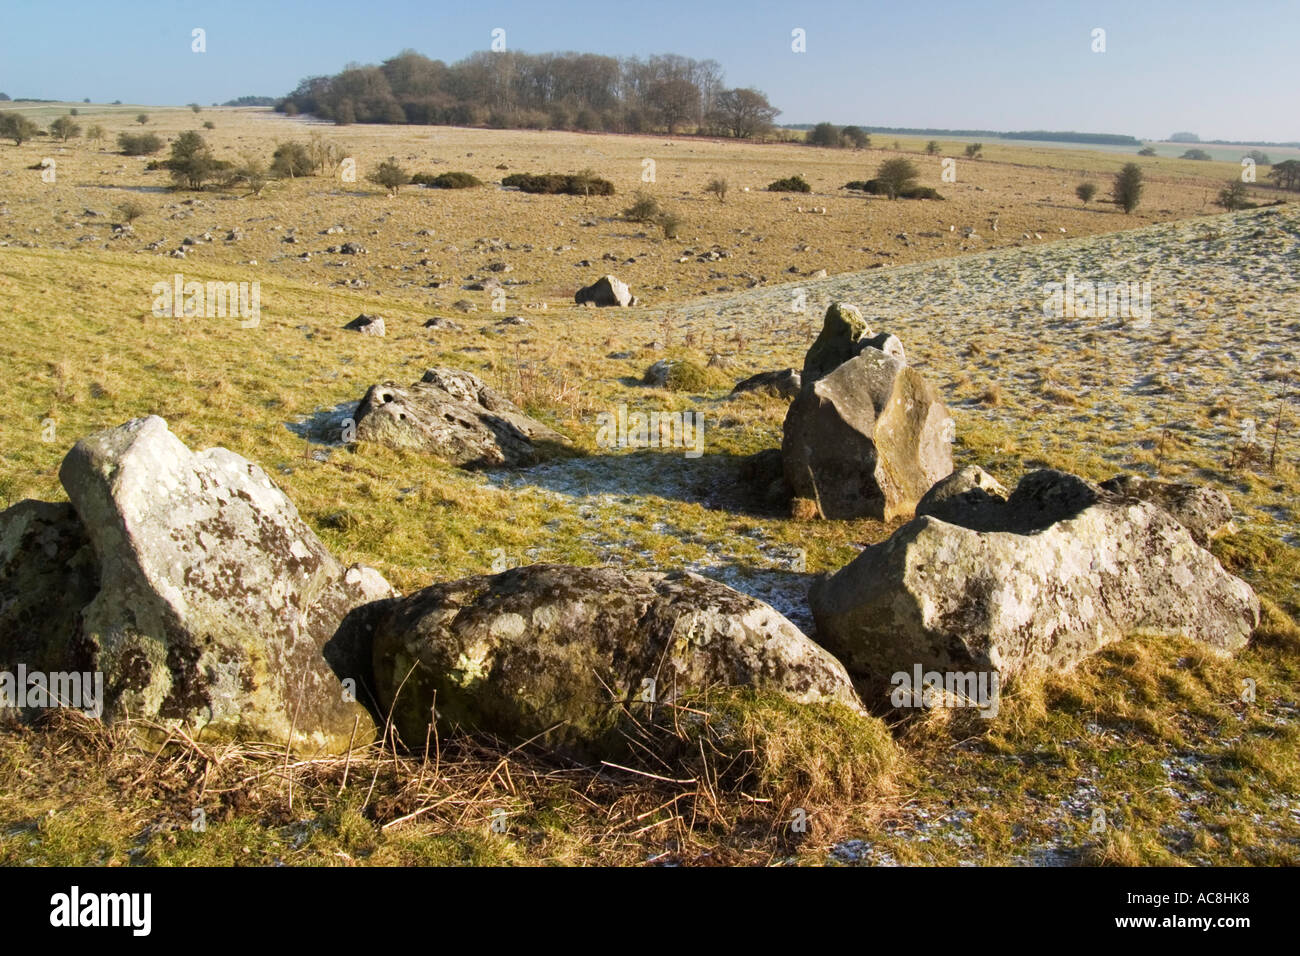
[(557, 653), (454, 415), (1066, 569), (606, 291), (1204, 512), (47, 574), (215, 600), (868, 439)]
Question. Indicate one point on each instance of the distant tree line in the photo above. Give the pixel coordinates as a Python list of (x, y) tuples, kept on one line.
[(1113, 139), (579, 91)]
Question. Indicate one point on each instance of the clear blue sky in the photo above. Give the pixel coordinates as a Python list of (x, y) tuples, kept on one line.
[(1225, 69)]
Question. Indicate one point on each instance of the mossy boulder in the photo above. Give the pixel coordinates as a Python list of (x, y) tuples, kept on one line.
[(566, 655), (214, 600)]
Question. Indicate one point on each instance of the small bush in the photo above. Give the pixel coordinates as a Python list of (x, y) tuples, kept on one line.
[(1198, 154), (291, 160), (208, 124), (686, 376), (1085, 192), (558, 183), (131, 210), (973, 150), (791, 184), (1234, 196), (446, 180), (390, 175), (142, 118), (139, 144), (644, 208), (718, 187), (670, 223), (1147, 151), (1127, 191)]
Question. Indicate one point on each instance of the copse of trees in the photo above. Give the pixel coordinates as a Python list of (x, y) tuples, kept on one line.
[(1199, 154), (1286, 174), (550, 90)]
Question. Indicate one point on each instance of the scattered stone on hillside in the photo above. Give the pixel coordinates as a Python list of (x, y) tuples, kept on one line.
[(484, 285), (234, 235), (784, 383), (971, 496), (1068, 569), (606, 291), (443, 325), (500, 267), (1205, 512), (367, 325), (558, 653), (215, 600), (464, 305), (353, 249), (47, 575), (454, 415), (867, 439)]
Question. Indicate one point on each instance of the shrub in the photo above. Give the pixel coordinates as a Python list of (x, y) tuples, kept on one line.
[(670, 223), (131, 210), (192, 162), (856, 137), (195, 107), (291, 160), (558, 183), (718, 187), (878, 187), (253, 173), (142, 118), (1233, 196), (1127, 190), (95, 133), (17, 127), (791, 184), (644, 208), (973, 150), (1147, 151), (1198, 154), (897, 175), (139, 144), (824, 134), (1085, 192), (932, 147), (390, 175), (208, 124), (64, 128), (446, 180)]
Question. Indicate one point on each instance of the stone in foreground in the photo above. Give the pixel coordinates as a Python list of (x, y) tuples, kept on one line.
[(868, 439), (454, 415), (215, 599), (560, 651), (1064, 570)]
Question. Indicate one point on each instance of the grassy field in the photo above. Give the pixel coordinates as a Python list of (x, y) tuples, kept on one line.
[(1155, 734)]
